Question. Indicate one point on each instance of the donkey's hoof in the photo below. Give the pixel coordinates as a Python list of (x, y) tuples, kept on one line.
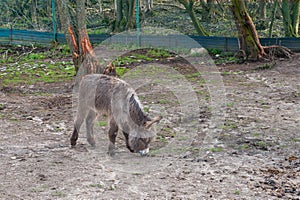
[(73, 143), (91, 141), (111, 153)]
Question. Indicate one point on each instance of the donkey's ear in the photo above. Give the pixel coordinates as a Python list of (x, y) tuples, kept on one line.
[(154, 120)]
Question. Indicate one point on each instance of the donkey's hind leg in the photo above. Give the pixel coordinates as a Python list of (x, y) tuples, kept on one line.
[(80, 117), (112, 134), (90, 120)]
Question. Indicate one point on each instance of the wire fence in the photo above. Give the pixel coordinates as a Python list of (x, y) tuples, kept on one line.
[(26, 37)]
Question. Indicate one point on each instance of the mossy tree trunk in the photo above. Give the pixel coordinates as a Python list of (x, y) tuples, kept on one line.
[(130, 15), (124, 15), (33, 14), (189, 6), (290, 14), (119, 16), (247, 29)]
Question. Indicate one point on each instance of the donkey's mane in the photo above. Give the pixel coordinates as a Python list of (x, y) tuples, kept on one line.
[(136, 112)]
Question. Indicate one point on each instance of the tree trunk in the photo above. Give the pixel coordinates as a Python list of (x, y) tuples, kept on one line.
[(189, 6), (100, 6), (246, 27), (33, 13), (262, 9), (124, 15), (290, 15), (295, 17), (130, 15), (74, 26), (208, 10), (119, 16), (274, 10), (148, 5)]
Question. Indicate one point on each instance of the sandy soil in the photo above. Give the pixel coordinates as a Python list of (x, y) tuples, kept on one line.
[(256, 156)]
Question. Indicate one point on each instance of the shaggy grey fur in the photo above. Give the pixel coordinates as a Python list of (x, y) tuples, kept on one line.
[(102, 94)]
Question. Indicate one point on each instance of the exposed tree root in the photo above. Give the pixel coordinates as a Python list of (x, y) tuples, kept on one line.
[(275, 51), (269, 53)]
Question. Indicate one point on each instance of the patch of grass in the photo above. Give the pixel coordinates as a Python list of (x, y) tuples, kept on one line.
[(146, 109), (230, 104), (194, 75), (158, 53), (121, 71), (167, 129), (120, 46), (296, 139), (2, 106), (134, 58), (227, 73), (237, 192), (229, 125), (40, 188), (164, 101), (161, 139), (6, 60), (265, 66), (227, 60), (97, 185), (262, 145), (32, 72), (141, 57), (214, 51), (256, 134), (57, 194), (200, 92), (243, 147), (154, 151), (35, 56), (102, 123), (202, 82), (13, 119), (183, 138), (216, 149)]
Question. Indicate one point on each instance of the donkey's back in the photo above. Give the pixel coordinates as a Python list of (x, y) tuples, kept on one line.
[(96, 91)]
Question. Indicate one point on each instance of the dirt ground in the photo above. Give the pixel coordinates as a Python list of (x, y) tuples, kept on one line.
[(257, 155)]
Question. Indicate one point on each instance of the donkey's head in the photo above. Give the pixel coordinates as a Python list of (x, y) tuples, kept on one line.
[(139, 142)]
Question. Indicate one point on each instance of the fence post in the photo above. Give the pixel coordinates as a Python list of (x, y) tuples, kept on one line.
[(54, 21), (10, 34), (226, 44), (137, 19)]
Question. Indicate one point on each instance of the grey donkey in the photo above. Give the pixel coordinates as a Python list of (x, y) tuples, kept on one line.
[(107, 95)]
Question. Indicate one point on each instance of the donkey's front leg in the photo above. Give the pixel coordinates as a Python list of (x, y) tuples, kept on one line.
[(90, 120), (112, 134)]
